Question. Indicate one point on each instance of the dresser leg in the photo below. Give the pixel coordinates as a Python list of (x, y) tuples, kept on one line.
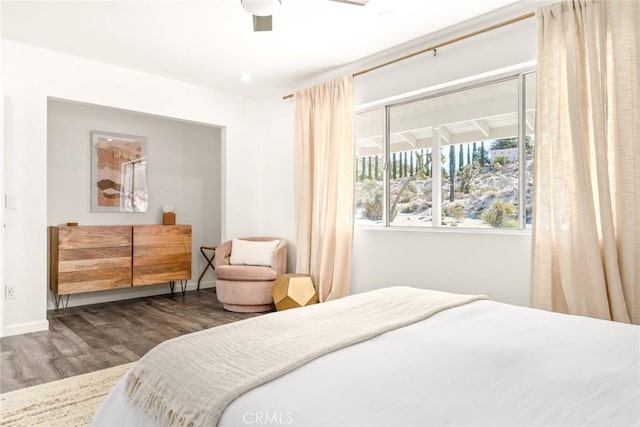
[(58, 300), (183, 286)]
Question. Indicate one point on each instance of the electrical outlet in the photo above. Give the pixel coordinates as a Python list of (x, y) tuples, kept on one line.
[(10, 292)]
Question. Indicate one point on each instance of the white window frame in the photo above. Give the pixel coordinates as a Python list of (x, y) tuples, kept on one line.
[(385, 106)]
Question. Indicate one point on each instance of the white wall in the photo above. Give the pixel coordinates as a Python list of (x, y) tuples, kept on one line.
[(183, 170), (31, 76), (2, 269), (495, 264), (500, 48), (277, 190)]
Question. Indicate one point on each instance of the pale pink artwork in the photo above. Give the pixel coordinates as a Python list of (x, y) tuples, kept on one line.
[(119, 175)]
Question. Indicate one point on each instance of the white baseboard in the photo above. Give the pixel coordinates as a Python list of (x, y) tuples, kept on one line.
[(25, 328), (203, 284)]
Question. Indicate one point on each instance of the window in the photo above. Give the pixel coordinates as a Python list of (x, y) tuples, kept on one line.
[(369, 196), (459, 159)]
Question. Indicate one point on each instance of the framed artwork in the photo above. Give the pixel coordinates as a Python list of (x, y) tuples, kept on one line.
[(118, 173)]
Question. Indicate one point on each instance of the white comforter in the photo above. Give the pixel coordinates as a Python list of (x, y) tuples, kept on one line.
[(484, 363)]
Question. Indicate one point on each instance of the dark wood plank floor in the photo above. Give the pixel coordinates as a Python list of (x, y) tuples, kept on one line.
[(100, 336)]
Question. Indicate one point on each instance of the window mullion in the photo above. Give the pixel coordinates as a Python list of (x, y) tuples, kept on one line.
[(522, 123), (436, 178), (386, 167)]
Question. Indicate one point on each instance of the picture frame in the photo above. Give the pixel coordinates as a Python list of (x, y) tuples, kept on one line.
[(118, 173)]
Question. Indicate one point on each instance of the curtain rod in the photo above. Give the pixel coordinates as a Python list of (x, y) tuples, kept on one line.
[(439, 45)]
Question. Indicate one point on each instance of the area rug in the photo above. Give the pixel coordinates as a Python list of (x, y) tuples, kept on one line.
[(67, 402)]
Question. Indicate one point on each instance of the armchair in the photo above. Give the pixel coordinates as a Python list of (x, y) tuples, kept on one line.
[(247, 288)]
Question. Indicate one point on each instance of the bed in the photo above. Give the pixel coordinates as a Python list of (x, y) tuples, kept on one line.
[(471, 362)]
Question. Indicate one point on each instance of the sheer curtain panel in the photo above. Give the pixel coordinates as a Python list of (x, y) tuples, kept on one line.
[(324, 175), (586, 218)]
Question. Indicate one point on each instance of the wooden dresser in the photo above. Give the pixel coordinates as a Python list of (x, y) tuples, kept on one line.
[(96, 258), (161, 254)]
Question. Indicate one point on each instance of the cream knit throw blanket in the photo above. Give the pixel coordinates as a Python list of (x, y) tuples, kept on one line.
[(190, 380)]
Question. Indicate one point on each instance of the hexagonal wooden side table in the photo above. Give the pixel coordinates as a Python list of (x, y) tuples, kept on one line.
[(293, 290)]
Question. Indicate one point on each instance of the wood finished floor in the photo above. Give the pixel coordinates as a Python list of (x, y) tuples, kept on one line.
[(100, 336)]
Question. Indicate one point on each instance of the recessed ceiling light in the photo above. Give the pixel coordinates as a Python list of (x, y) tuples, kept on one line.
[(261, 7), (246, 77)]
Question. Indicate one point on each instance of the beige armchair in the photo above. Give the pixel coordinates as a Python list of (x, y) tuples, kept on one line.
[(247, 288)]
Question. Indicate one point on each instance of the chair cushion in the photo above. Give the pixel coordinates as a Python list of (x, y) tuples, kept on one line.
[(245, 273)]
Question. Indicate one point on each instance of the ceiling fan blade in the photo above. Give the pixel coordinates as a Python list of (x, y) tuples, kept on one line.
[(356, 2), (262, 23)]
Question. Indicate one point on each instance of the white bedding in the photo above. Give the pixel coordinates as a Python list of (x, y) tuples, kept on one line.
[(484, 363)]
